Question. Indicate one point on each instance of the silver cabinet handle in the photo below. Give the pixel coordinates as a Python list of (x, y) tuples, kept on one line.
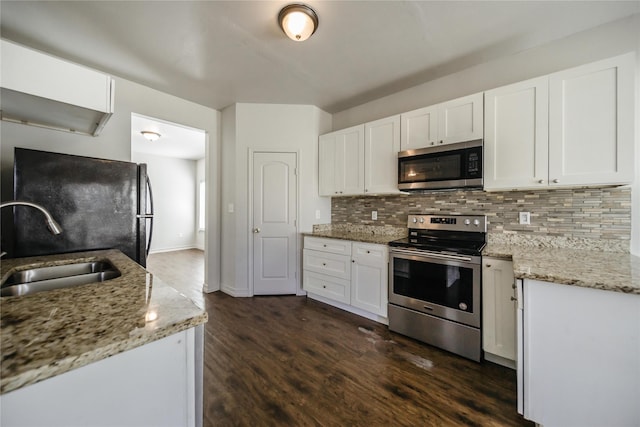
[(256, 230), (514, 299), (541, 181), (488, 265), (555, 181)]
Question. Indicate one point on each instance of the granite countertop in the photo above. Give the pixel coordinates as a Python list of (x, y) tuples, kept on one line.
[(49, 333), (611, 271), (358, 233)]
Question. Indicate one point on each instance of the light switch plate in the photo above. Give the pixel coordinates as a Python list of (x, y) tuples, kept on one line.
[(374, 215), (525, 218), (318, 214)]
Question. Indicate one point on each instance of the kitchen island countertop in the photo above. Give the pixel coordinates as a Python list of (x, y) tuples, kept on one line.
[(48, 333), (611, 271)]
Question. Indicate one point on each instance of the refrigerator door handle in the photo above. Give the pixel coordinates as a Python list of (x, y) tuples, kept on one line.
[(149, 215), (145, 216)]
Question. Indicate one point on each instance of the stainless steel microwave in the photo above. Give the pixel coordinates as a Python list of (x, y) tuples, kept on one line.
[(448, 166)]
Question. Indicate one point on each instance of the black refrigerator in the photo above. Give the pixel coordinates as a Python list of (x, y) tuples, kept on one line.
[(99, 203)]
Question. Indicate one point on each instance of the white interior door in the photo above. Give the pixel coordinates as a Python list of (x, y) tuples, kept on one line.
[(274, 223)]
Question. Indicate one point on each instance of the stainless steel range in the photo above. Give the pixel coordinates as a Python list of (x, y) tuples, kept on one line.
[(435, 282)]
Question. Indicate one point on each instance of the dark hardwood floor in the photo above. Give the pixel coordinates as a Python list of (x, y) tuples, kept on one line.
[(292, 361)]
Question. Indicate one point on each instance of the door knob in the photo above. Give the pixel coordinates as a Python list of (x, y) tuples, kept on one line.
[(256, 230)]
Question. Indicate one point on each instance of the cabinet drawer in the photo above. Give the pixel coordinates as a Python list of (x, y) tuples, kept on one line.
[(327, 263), (370, 254), (327, 286), (335, 246)]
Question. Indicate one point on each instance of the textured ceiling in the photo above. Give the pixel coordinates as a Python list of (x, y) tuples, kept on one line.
[(217, 53)]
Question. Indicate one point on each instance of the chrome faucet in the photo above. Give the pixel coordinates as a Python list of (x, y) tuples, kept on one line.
[(52, 225)]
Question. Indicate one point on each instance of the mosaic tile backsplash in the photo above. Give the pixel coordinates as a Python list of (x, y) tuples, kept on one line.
[(593, 213)]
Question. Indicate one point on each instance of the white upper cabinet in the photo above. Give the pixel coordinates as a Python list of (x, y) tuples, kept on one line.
[(41, 90), (446, 123), (516, 141), (361, 159), (460, 119), (591, 123), (341, 162), (567, 129), (381, 146), (419, 128)]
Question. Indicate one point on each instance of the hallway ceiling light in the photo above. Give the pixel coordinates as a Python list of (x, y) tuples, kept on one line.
[(150, 135), (298, 21)]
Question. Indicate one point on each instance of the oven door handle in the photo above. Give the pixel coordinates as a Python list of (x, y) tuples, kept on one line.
[(431, 254)]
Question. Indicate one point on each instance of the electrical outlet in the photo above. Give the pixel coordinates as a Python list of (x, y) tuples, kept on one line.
[(318, 214), (374, 215), (525, 218)]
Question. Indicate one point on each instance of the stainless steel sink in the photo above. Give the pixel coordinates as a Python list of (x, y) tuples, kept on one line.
[(42, 279)]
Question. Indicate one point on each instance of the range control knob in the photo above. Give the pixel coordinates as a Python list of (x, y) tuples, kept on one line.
[(467, 221), (476, 222), (415, 219), (421, 220)]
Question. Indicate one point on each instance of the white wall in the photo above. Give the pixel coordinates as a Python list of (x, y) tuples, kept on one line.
[(598, 43), (265, 127), (114, 142), (200, 176), (174, 184)]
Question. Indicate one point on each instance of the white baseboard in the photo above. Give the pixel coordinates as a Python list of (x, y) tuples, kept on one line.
[(239, 293), (180, 248), (494, 358)]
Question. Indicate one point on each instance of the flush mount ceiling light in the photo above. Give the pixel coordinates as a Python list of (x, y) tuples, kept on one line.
[(298, 21), (151, 136)]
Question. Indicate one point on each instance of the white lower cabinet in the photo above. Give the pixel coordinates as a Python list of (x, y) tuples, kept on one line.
[(369, 277), (327, 286), (498, 312), (353, 274)]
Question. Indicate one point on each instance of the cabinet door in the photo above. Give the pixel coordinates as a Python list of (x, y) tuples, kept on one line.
[(460, 119), (516, 136), (419, 128), (381, 146), (498, 308), (351, 153), (369, 278), (591, 123), (327, 178), (341, 162)]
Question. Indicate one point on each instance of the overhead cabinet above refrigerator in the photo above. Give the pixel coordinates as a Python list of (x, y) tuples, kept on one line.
[(41, 90)]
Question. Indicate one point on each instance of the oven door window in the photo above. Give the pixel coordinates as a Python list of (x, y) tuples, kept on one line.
[(431, 168), (445, 285)]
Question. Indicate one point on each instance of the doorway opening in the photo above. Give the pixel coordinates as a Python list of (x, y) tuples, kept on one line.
[(177, 166)]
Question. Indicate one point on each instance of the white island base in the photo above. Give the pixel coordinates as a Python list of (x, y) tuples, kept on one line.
[(579, 355), (157, 384)]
